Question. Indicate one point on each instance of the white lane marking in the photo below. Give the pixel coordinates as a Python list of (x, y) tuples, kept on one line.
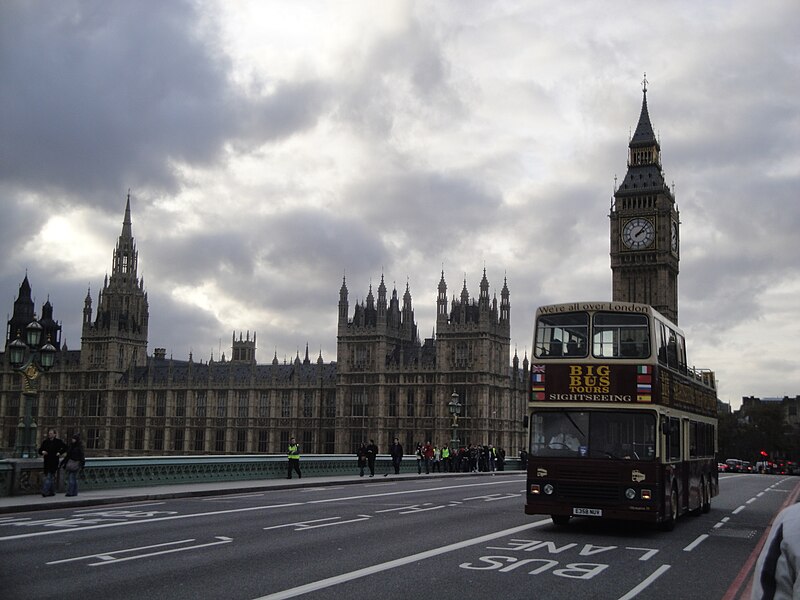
[(118, 506), (750, 501), (108, 558), (253, 508), (695, 543), (738, 510), (154, 520), (399, 562), (635, 591), (303, 525), (109, 555), (233, 497)]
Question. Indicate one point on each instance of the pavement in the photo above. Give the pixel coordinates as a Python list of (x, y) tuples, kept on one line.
[(34, 502)]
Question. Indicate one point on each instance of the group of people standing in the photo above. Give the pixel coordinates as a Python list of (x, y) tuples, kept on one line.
[(465, 459), (58, 455), (435, 459)]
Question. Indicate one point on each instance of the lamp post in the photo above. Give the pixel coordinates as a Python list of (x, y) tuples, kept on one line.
[(454, 406), (30, 360)]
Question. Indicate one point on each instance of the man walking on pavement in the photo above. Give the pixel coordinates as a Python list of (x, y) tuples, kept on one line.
[(396, 451), (294, 458), (372, 452), (50, 450)]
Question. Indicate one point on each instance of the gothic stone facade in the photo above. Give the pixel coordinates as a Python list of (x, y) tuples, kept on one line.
[(385, 382)]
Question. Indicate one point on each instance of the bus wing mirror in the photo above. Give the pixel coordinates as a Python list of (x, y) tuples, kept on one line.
[(525, 421), (665, 427)]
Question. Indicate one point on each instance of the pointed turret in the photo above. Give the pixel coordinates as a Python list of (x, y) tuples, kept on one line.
[(441, 302), (343, 303), (23, 312)]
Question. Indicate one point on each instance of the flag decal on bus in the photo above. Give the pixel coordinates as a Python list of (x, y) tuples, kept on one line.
[(644, 383)]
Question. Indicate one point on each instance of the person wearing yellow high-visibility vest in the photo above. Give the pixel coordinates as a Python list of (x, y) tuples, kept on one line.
[(294, 458), (448, 467)]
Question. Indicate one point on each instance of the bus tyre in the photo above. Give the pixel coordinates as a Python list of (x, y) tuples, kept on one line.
[(669, 523), (560, 520), (707, 496)]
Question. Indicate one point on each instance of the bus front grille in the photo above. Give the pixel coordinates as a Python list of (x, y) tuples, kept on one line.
[(590, 475), (577, 492)]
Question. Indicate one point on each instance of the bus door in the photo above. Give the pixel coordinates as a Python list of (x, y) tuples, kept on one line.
[(671, 435)]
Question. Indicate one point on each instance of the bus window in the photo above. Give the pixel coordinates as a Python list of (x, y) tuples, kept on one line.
[(672, 349), (681, 353), (622, 435), (614, 435), (618, 335), (663, 340), (674, 440), (562, 334), (562, 433)]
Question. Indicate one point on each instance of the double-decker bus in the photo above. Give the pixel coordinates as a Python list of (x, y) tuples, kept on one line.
[(619, 425)]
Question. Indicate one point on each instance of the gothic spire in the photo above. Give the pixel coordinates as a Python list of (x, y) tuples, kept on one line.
[(644, 135)]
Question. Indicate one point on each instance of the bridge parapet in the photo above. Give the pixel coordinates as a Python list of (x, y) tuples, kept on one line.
[(24, 476)]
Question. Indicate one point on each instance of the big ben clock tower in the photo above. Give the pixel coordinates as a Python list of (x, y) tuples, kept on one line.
[(645, 235)]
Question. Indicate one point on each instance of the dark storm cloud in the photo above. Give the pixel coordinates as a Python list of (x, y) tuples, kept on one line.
[(97, 96)]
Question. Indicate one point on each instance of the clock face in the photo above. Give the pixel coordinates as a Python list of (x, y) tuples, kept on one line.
[(638, 233), (674, 237)]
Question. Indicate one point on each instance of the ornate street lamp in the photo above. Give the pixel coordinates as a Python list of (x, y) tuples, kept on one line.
[(454, 406), (30, 360)]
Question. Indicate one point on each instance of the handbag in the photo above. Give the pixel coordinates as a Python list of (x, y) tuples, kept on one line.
[(72, 465)]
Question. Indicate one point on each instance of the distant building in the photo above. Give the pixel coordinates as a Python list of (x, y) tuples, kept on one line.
[(386, 382), (787, 406)]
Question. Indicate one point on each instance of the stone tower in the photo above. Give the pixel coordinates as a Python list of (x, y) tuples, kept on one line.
[(473, 349), (117, 337), (645, 236)]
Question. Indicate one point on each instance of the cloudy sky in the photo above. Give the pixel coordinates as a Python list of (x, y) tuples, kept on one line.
[(272, 147)]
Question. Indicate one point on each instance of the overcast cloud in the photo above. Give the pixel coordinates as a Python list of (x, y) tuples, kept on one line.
[(272, 148)]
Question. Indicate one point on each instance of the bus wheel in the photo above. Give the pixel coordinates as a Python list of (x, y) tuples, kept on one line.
[(669, 523), (560, 520), (701, 491), (707, 496)]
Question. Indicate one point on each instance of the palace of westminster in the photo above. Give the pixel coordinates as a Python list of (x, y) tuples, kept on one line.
[(385, 382)]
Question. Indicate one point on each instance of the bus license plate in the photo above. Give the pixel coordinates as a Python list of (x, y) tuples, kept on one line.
[(587, 512)]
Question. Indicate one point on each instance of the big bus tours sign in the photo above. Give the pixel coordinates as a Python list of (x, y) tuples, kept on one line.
[(620, 384), (592, 383)]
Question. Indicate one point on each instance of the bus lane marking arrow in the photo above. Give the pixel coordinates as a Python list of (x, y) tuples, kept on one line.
[(107, 558)]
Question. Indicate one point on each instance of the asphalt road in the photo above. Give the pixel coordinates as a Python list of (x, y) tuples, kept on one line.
[(437, 538)]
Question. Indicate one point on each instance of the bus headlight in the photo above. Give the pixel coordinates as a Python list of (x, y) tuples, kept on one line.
[(646, 495), (630, 493), (535, 489), (548, 489)]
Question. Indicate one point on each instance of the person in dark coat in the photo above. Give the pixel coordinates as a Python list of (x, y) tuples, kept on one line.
[(361, 454), (50, 449), (396, 451), (74, 453), (372, 453)]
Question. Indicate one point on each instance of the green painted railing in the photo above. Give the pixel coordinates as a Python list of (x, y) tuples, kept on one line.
[(24, 476)]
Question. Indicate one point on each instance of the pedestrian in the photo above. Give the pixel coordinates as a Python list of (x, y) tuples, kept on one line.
[(294, 459), (776, 575), (437, 457), (501, 459), (73, 462), (420, 458), (446, 460), (372, 453), (427, 456), (396, 452), (51, 448), (361, 454)]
